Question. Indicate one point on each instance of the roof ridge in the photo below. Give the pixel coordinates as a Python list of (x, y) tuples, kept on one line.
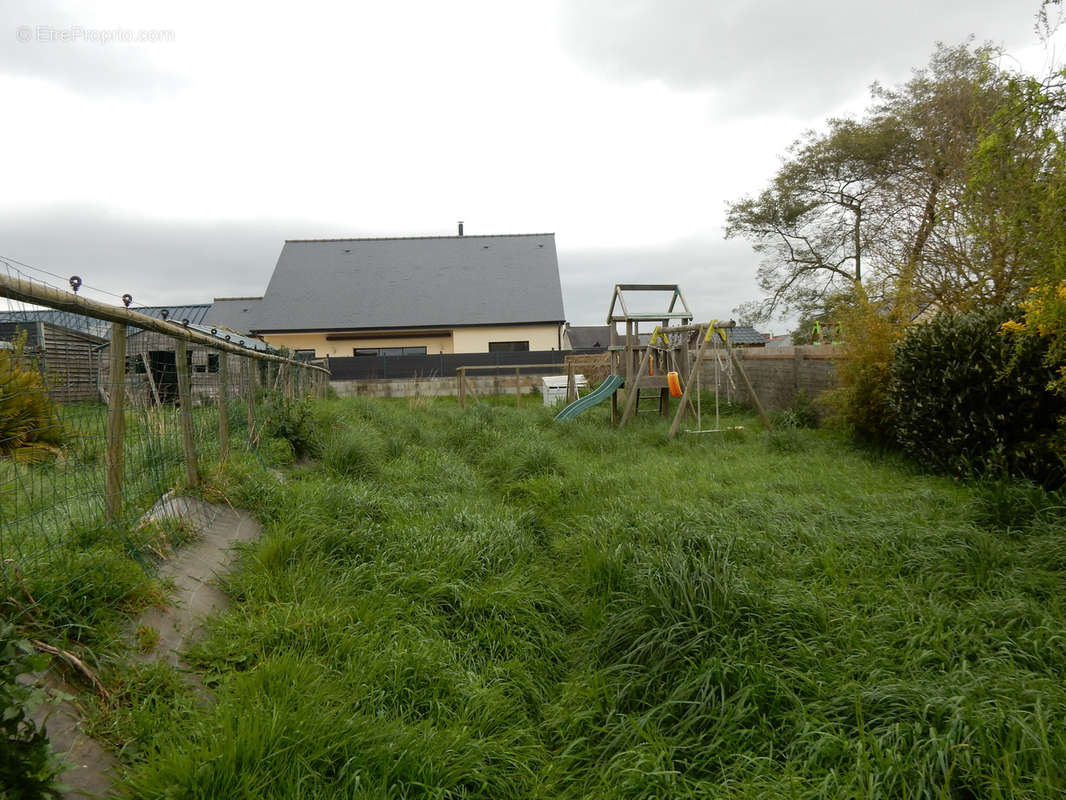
[(243, 297), (394, 238)]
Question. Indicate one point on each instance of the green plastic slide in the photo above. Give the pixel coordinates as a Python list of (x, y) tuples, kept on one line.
[(603, 391)]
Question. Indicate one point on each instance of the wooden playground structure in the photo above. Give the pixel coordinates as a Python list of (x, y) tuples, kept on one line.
[(670, 362)]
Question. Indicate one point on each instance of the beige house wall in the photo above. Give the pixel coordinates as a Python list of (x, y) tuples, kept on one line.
[(458, 340), (476, 340), (434, 343)]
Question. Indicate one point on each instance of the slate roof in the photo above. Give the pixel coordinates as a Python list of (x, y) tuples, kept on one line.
[(589, 337), (98, 327), (63, 319), (235, 313), (745, 334), (431, 281)]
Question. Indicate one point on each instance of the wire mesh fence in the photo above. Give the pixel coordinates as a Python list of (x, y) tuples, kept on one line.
[(106, 417)]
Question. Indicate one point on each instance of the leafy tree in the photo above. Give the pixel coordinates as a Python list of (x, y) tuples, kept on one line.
[(876, 202)]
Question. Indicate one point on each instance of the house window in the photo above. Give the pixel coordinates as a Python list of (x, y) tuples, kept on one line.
[(389, 351), (212, 362), (304, 355), (508, 347)]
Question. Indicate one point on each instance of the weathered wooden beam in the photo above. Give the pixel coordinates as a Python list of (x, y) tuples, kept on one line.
[(223, 408), (116, 423), (751, 390), (633, 388), (685, 395), (192, 471), (27, 291)]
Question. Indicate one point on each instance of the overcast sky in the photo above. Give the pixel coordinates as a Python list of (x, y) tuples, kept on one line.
[(174, 168)]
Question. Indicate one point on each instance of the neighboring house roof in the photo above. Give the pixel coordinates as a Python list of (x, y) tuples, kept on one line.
[(431, 281), (9, 330), (195, 313), (99, 327), (235, 313), (64, 319), (589, 337), (745, 334)]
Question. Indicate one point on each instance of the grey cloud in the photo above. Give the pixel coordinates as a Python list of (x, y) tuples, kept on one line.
[(157, 262), (714, 275), (779, 55), (31, 47), (163, 263)]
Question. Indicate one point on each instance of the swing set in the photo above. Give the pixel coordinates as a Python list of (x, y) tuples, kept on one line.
[(670, 364)]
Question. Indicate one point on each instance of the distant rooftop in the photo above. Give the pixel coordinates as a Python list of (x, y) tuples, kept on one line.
[(412, 281)]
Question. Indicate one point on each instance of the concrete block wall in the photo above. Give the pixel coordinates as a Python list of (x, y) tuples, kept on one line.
[(778, 374), (436, 387)]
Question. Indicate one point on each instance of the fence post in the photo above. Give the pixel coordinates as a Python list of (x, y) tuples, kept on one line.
[(248, 367), (223, 408), (459, 373), (192, 472), (116, 423), (517, 387)]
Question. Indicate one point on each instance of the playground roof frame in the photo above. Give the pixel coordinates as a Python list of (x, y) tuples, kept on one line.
[(618, 300)]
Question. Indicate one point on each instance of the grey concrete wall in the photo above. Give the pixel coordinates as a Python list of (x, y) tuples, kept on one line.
[(778, 374), (436, 387)]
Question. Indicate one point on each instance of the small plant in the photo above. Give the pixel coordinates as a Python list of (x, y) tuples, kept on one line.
[(147, 638), (294, 421), (28, 767)]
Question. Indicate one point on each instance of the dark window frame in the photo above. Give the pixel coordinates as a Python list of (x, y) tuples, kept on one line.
[(509, 347), (390, 352)]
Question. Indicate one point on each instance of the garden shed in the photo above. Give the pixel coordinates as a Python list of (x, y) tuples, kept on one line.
[(151, 365), (65, 357)]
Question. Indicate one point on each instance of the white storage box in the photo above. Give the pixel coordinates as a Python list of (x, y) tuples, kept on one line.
[(553, 387)]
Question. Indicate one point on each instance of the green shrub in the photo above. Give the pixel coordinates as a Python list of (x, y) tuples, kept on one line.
[(972, 400), (860, 405), (294, 421), (28, 768), (30, 431)]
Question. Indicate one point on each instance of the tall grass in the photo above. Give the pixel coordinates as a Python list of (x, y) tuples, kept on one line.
[(485, 604)]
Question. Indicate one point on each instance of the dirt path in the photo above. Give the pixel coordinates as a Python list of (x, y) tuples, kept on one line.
[(192, 570)]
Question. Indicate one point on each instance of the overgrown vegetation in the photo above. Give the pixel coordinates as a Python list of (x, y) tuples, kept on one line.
[(945, 197), (30, 430), (971, 400), (28, 768), (503, 607)]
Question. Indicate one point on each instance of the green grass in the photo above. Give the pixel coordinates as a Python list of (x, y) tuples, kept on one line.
[(461, 604), (66, 574)]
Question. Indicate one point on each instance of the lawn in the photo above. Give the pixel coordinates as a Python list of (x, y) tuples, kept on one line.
[(486, 604)]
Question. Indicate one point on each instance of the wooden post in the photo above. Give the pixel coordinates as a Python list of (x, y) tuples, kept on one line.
[(223, 408), (459, 375), (248, 367), (192, 472), (517, 387), (151, 380), (571, 383), (693, 373), (116, 423), (751, 390), (633, 389)]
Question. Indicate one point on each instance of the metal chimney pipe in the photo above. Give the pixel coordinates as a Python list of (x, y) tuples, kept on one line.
[(460, 227)]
